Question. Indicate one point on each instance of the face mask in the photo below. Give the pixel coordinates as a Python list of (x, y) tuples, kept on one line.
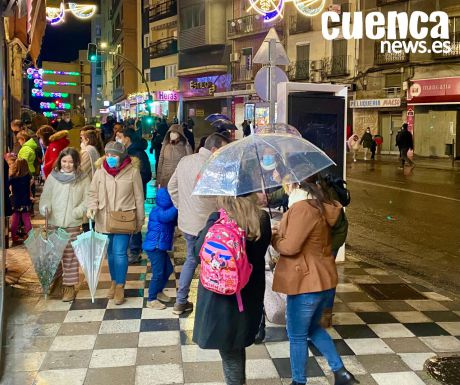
[(268, 162), (118, 140), (174, 136), (67, 120), (112, 161)]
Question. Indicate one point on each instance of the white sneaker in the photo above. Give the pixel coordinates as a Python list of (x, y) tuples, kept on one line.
[(156, 305)]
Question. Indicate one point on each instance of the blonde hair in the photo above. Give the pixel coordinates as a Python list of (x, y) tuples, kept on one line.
[(245, 211)]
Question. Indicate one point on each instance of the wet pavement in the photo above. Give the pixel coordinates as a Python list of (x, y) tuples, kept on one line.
[(407, 219)]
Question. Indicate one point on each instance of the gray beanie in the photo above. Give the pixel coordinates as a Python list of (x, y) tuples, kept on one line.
[(116, 148)]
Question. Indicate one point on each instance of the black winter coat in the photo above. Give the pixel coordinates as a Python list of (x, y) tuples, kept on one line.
[(137, 149), (190, 138), (218, 322), (404, 140)]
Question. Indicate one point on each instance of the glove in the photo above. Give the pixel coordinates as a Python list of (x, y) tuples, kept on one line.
[(90, 213)]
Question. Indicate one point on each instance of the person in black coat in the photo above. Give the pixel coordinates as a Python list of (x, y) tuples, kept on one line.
[(405, 143), (189, 135), (157, 139), (6, 190), (218, 322), (136, 147)]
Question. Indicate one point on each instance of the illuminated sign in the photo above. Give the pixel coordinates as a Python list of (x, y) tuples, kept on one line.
[(207, 85), (272, 9), (168, 96)]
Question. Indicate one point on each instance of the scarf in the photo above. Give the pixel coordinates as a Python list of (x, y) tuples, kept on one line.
[(116, 170), (298, 195), (65, 177)]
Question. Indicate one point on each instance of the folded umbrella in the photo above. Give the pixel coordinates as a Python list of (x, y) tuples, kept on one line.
[(224, 125), (213, 117), (90, 248)]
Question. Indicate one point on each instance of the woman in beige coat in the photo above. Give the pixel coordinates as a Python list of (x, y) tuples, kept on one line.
[(175, 146), (306, 272), (116, 186), (63, 198)]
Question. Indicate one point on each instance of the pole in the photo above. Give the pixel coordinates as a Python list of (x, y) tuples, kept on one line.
[(271, 86)]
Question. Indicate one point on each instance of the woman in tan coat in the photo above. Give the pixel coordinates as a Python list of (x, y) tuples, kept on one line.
[(306, 272), (116, 186), (175, 146)]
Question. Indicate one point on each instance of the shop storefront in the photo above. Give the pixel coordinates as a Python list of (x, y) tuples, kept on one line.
[(199, 100), (433, 114), (384, 116)]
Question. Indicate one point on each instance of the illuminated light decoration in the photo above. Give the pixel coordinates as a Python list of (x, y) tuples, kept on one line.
[(272, 9), (49, 114), (37, 93), (54, 106), (55, 15), (51, 72), (52, 83), (82, 11)]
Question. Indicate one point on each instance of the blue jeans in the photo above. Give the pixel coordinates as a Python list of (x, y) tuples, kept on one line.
[(118, 257), (303, 312), (135, 243), (188, 270), (161, 270)]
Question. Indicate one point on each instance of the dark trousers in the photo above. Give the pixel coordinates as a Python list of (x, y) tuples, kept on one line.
[(404, 157), (234, 364)]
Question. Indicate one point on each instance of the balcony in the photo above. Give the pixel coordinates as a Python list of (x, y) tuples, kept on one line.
[(250, 25), (346, 7), (162, 10), (118, 93), (242, 73), (454, 39), (388, 58), (163, 47), (337, 65), (116, 34), (299, 70), (392, 92), (381, 3), (299, 24)]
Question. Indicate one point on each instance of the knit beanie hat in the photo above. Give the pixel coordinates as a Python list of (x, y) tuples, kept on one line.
[(116, 148)]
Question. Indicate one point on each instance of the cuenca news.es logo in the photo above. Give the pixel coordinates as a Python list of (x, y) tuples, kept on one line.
[(398, 32)]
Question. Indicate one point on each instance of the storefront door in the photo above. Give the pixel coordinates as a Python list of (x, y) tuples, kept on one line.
[(389, 126)]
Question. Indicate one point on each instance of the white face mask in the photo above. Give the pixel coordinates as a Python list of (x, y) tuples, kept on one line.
[(67, 120), (174, 136)]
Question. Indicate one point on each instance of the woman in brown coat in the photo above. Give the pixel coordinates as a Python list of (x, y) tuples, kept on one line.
[(116, 186), (175, 146), (306, 272)]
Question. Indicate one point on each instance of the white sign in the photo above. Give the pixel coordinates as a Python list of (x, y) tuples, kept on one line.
[(375, 103)]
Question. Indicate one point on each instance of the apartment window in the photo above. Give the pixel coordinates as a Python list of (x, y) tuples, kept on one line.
[(393, 80), (147, 75), (303, 52), (170, 71), (246, 57), (454, 24), (157, 73), (339, 60), (146, 40), (192, 16), (98, 69)]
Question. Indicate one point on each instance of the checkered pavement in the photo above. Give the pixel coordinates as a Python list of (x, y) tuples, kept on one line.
[(381, 342)]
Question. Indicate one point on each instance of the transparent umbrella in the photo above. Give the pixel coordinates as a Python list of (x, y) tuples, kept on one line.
[(46, 248), (90, 248), (260, 162)]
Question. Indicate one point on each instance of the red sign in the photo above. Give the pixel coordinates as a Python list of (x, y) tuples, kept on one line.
[(434, 90)]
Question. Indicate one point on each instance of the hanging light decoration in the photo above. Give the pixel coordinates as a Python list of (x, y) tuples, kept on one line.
[(274, 9), (56, 15)]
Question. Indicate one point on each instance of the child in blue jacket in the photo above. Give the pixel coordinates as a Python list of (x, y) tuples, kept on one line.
[(160, 239)]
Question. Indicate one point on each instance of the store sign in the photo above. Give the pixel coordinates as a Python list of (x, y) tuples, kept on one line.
[(375, 103), (167, 96), (435, 90), (206, 85)]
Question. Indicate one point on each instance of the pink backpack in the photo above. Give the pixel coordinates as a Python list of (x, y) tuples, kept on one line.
[(225, 268)]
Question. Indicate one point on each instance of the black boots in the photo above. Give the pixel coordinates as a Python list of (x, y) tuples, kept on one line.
[(260, 336), (344, 377)]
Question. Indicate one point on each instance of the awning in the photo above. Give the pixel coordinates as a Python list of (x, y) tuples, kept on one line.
[(37, 20)]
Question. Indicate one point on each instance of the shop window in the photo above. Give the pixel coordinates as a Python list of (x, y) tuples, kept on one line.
[(157, 73), (192, 16)]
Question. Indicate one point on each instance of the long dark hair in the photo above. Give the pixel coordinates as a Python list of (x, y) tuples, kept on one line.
[(94, 139), (313, 187), (75, 157)]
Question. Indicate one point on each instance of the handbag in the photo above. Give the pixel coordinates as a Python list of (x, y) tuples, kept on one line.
[(120, 222)]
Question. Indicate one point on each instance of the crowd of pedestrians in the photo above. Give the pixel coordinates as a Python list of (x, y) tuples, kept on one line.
[(106, 180)]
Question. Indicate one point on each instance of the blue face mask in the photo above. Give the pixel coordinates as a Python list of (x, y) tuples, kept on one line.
[(268, 162), (112, 161)]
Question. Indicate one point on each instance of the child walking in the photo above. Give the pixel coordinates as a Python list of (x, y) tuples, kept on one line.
[(160, 239), (20, 188), (63, 197)]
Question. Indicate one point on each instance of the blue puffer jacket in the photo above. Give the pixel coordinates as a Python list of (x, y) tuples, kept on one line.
[(162, 221)]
